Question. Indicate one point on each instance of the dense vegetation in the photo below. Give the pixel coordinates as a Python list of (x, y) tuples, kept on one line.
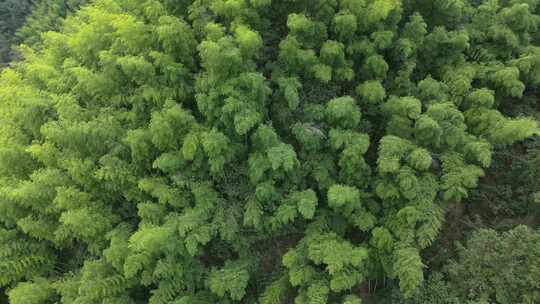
[(23, 21), (259, 151), (12, 16)]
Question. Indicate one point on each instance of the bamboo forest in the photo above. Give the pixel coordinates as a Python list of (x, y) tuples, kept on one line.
[(270, 151)]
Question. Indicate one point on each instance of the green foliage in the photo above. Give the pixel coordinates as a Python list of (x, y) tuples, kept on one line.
[(343, 112), (282, 156), (408, 268), (516, 250), (231, 279), (371, 92), (24, 21), (343, 265), (458, 177), (36, 292), (12, 16), (476, 277), (276, 292), (339, 196), (47, 15), (244, 151), (513, 195)]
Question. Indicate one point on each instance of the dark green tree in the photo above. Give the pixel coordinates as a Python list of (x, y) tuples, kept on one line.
[(492, 267), (12, 17), (46, 15)]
